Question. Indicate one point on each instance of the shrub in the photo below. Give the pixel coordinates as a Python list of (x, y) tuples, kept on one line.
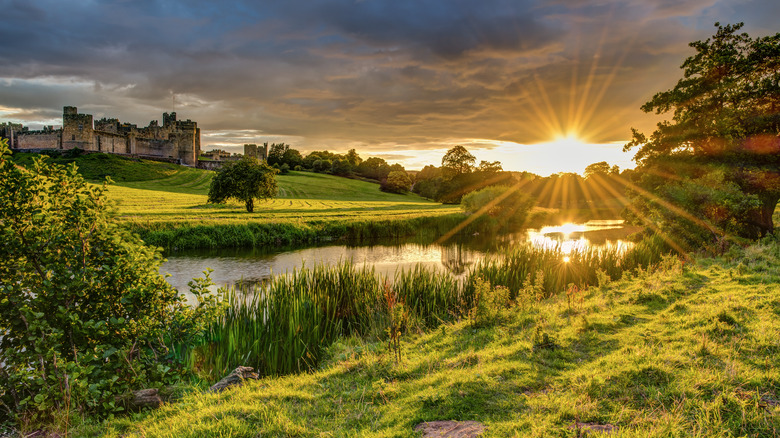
[(84, 313), (504, 203), (488, 302)]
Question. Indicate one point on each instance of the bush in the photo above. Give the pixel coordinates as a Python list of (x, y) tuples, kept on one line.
[(505, 203), (84, 313)]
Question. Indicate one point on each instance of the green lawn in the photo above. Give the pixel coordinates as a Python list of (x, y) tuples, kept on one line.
[(150, 194), (690, 350), (303, 196)]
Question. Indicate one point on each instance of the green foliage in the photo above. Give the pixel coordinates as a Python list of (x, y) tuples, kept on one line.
[(397, 181), (487, 303), (245, 180), (397, 320), (374, 168), (725, 121), (84, 313), (506, 204), (457, 161)]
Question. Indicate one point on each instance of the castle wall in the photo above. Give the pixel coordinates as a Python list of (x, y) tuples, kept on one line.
[(156, 147), (37, 140), (111, 143)]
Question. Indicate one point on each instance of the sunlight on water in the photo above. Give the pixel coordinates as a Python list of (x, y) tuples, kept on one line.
[(248, 266), (570, 237)]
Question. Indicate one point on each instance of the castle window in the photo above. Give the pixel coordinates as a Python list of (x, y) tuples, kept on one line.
[(81, 127), (73, 137)]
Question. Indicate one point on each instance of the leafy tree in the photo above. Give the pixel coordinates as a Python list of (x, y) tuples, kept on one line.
[(397, 181), (84, 312), (340, 167), (457, 161), (292, 158), (374, 168), (725, 122), (276, 153), (428, 172), (600, 168), (243, 180), (323, 165), (490, 166), (353, 158)]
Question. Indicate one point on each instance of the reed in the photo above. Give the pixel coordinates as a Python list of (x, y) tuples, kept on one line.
[(284, 325)]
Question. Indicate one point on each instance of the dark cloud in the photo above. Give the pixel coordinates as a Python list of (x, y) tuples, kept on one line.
[(332, 74)]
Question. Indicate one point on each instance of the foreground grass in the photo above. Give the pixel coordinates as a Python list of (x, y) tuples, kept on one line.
[(688, 350)]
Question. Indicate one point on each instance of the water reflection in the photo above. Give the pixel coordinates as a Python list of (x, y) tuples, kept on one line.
[(245, 267)]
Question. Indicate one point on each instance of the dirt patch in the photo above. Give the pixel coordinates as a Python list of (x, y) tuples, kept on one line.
[(450, 429)]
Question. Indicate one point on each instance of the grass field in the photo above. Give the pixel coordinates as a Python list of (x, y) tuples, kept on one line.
[(167, 206), (302, 196), (688, 350)]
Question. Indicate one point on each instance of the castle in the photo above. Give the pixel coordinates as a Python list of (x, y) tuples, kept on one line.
[(175, 140)]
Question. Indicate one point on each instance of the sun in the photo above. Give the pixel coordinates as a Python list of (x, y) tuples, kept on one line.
[(568, 141)]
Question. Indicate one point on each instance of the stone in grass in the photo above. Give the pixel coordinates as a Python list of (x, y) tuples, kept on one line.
[(450, 429), (237, 377), (587, 428)]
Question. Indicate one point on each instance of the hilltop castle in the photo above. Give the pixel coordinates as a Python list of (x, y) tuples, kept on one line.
[(175, 140)]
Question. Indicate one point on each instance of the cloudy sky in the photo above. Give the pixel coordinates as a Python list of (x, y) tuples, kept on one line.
[(539, 85)]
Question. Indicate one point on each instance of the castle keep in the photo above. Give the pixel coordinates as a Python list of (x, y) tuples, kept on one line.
[(175, 140)]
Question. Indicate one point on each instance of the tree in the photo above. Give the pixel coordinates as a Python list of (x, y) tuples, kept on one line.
[(276, 153), (397, 181), (374, 168), (243, 180), (490, 166), (353, 158), (340, 167), (84, 312), (292, 158), (457, 161), (601, 168), (722, 138)]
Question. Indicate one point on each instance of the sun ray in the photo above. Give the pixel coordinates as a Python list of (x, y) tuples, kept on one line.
[(669, 241), (482, 211)]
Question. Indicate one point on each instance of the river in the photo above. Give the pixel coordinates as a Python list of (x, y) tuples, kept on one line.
[(232, 266)]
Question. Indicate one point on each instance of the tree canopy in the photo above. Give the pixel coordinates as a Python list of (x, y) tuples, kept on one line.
[(457, 161), (244, 180), (715, 164)]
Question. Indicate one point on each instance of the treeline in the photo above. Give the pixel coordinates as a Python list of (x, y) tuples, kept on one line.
[(460, 175), (392, 177)]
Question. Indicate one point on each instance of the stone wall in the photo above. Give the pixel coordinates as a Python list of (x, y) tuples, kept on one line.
[(38, 140), (111, 143)]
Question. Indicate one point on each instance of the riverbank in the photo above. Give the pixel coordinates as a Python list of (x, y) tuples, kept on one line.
[(682, 350)]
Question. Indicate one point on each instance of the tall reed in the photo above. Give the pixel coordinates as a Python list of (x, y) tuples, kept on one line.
[(284, 325)]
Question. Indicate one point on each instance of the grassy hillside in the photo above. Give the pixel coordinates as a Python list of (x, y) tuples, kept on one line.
[(167, 205), (688, 350)]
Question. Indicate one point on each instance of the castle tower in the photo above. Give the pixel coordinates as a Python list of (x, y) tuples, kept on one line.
[(169, 120), (76, 129)]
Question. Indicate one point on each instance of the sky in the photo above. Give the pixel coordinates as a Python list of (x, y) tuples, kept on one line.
[(542, 86)]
